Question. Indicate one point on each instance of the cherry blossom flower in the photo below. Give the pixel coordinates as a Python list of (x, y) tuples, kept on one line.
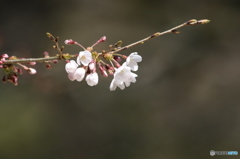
[(79, 74), (122, 77), (132, 60), (92, 79), (71, 66), (84, 57)]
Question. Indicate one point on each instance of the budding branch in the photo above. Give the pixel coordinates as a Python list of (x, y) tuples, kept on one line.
[(61, 55)]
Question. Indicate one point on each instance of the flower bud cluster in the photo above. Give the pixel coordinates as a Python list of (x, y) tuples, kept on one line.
[(87, 62), (85, 65), (12, 72)]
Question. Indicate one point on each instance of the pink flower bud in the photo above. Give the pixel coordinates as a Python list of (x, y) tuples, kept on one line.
[(102, 69), (5, 56), (92, 66), (69, 42), (124, 56), (3, 60), (110, 69), (117, 58), (48, 66), (20, 71), (55, 61), (103, 72), (116, 63), (32, 71), (104, 38), (13, 79), (32, 63), (46, 54)]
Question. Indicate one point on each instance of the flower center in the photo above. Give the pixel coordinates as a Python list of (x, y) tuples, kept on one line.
[(83, 57)]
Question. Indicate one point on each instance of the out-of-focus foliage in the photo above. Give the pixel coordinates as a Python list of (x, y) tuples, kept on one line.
[(186, 100)]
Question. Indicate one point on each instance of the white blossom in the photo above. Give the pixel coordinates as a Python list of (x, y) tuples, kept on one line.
[(122, 77), (71, 66), (132, 60), (79, 74), (84, 57), (92, 79)]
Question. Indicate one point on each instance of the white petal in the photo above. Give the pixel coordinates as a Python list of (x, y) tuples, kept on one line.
[(132, 78), (84, 57), (134, 56), (79, 74), (121, 85), (113, 86), (116, 83), (127, 83), (92, 79), (78, 59), (132, 60), (134, 53), (88, 54), (71, 76), (85, 61), (71, 66), (123, 73), (133, 65)]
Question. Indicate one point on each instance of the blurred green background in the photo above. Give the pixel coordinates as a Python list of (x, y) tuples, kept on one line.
[(186, 100)]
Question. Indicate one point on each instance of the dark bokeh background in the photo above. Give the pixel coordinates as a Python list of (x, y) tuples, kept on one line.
[(185, 103)]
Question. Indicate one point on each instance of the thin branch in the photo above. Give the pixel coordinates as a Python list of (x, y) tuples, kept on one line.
[(61, 56), (172, 30), (43, 59)]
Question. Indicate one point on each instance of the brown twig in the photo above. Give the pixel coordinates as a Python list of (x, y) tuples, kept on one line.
[(60, 56)]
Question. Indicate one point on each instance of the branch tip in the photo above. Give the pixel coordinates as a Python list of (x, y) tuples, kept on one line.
[(204, 21)]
